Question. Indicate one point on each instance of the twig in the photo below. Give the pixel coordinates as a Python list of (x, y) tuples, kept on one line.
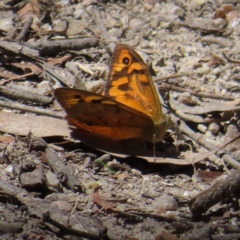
[(223, 42), (49, 47), (205, 232), (230, 60), (20, 93), (190, 117), (231, 161), (100, 26), (198, 138), (194, 93), (191, 25), (17, 78), (27, 23), (160, 79), (5, 74), (8, 227), (25, 108), (17, 48), (60, 169), (220, 190), (73, 231), (51, 73), (43, 209)]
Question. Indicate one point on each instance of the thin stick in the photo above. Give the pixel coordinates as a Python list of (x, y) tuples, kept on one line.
[(25, 108), (199, 94)]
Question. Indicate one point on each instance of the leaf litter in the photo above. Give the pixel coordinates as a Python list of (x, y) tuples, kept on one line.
[(61, 188)]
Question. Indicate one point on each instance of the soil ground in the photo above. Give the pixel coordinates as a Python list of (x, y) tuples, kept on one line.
[(56, 187)]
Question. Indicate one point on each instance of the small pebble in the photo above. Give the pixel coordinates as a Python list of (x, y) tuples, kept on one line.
[(52, 180), (165, 202), (202, 128), (214, 128), (9, 169), (136, 172), (62, 205)]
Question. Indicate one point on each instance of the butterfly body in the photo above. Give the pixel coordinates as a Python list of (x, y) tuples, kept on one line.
[(129, 109)]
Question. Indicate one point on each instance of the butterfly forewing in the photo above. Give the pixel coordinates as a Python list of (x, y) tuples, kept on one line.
[(130, 83), (102, 115)]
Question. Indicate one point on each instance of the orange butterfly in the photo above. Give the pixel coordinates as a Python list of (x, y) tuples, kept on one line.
[(129, 109)]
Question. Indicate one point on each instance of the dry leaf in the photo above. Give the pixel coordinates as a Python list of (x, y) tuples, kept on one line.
[(5, 140), (59, 61), (32, 7), (102, 203), (207, 176), (223, 11), (39, 126), (28, 67)]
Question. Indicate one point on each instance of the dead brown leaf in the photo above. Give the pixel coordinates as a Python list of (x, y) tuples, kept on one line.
[(166, 236), (32, 7), (208, 176), (5, 140), (99, 201), (28, 67), (59, 61), (39, 126)]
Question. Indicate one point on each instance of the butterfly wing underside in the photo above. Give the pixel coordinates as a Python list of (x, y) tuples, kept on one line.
[(129, 82), (130, 107), (102, 116)]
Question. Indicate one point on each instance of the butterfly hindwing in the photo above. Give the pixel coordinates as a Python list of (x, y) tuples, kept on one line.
[(101, 115)]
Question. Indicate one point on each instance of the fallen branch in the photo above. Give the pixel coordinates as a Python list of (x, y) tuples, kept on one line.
[(50, 47), (221, 189)]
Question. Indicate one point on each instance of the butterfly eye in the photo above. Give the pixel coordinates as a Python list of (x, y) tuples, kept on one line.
[(125, 60)]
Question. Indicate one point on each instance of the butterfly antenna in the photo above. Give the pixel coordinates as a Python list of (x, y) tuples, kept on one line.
[(154, 147)]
